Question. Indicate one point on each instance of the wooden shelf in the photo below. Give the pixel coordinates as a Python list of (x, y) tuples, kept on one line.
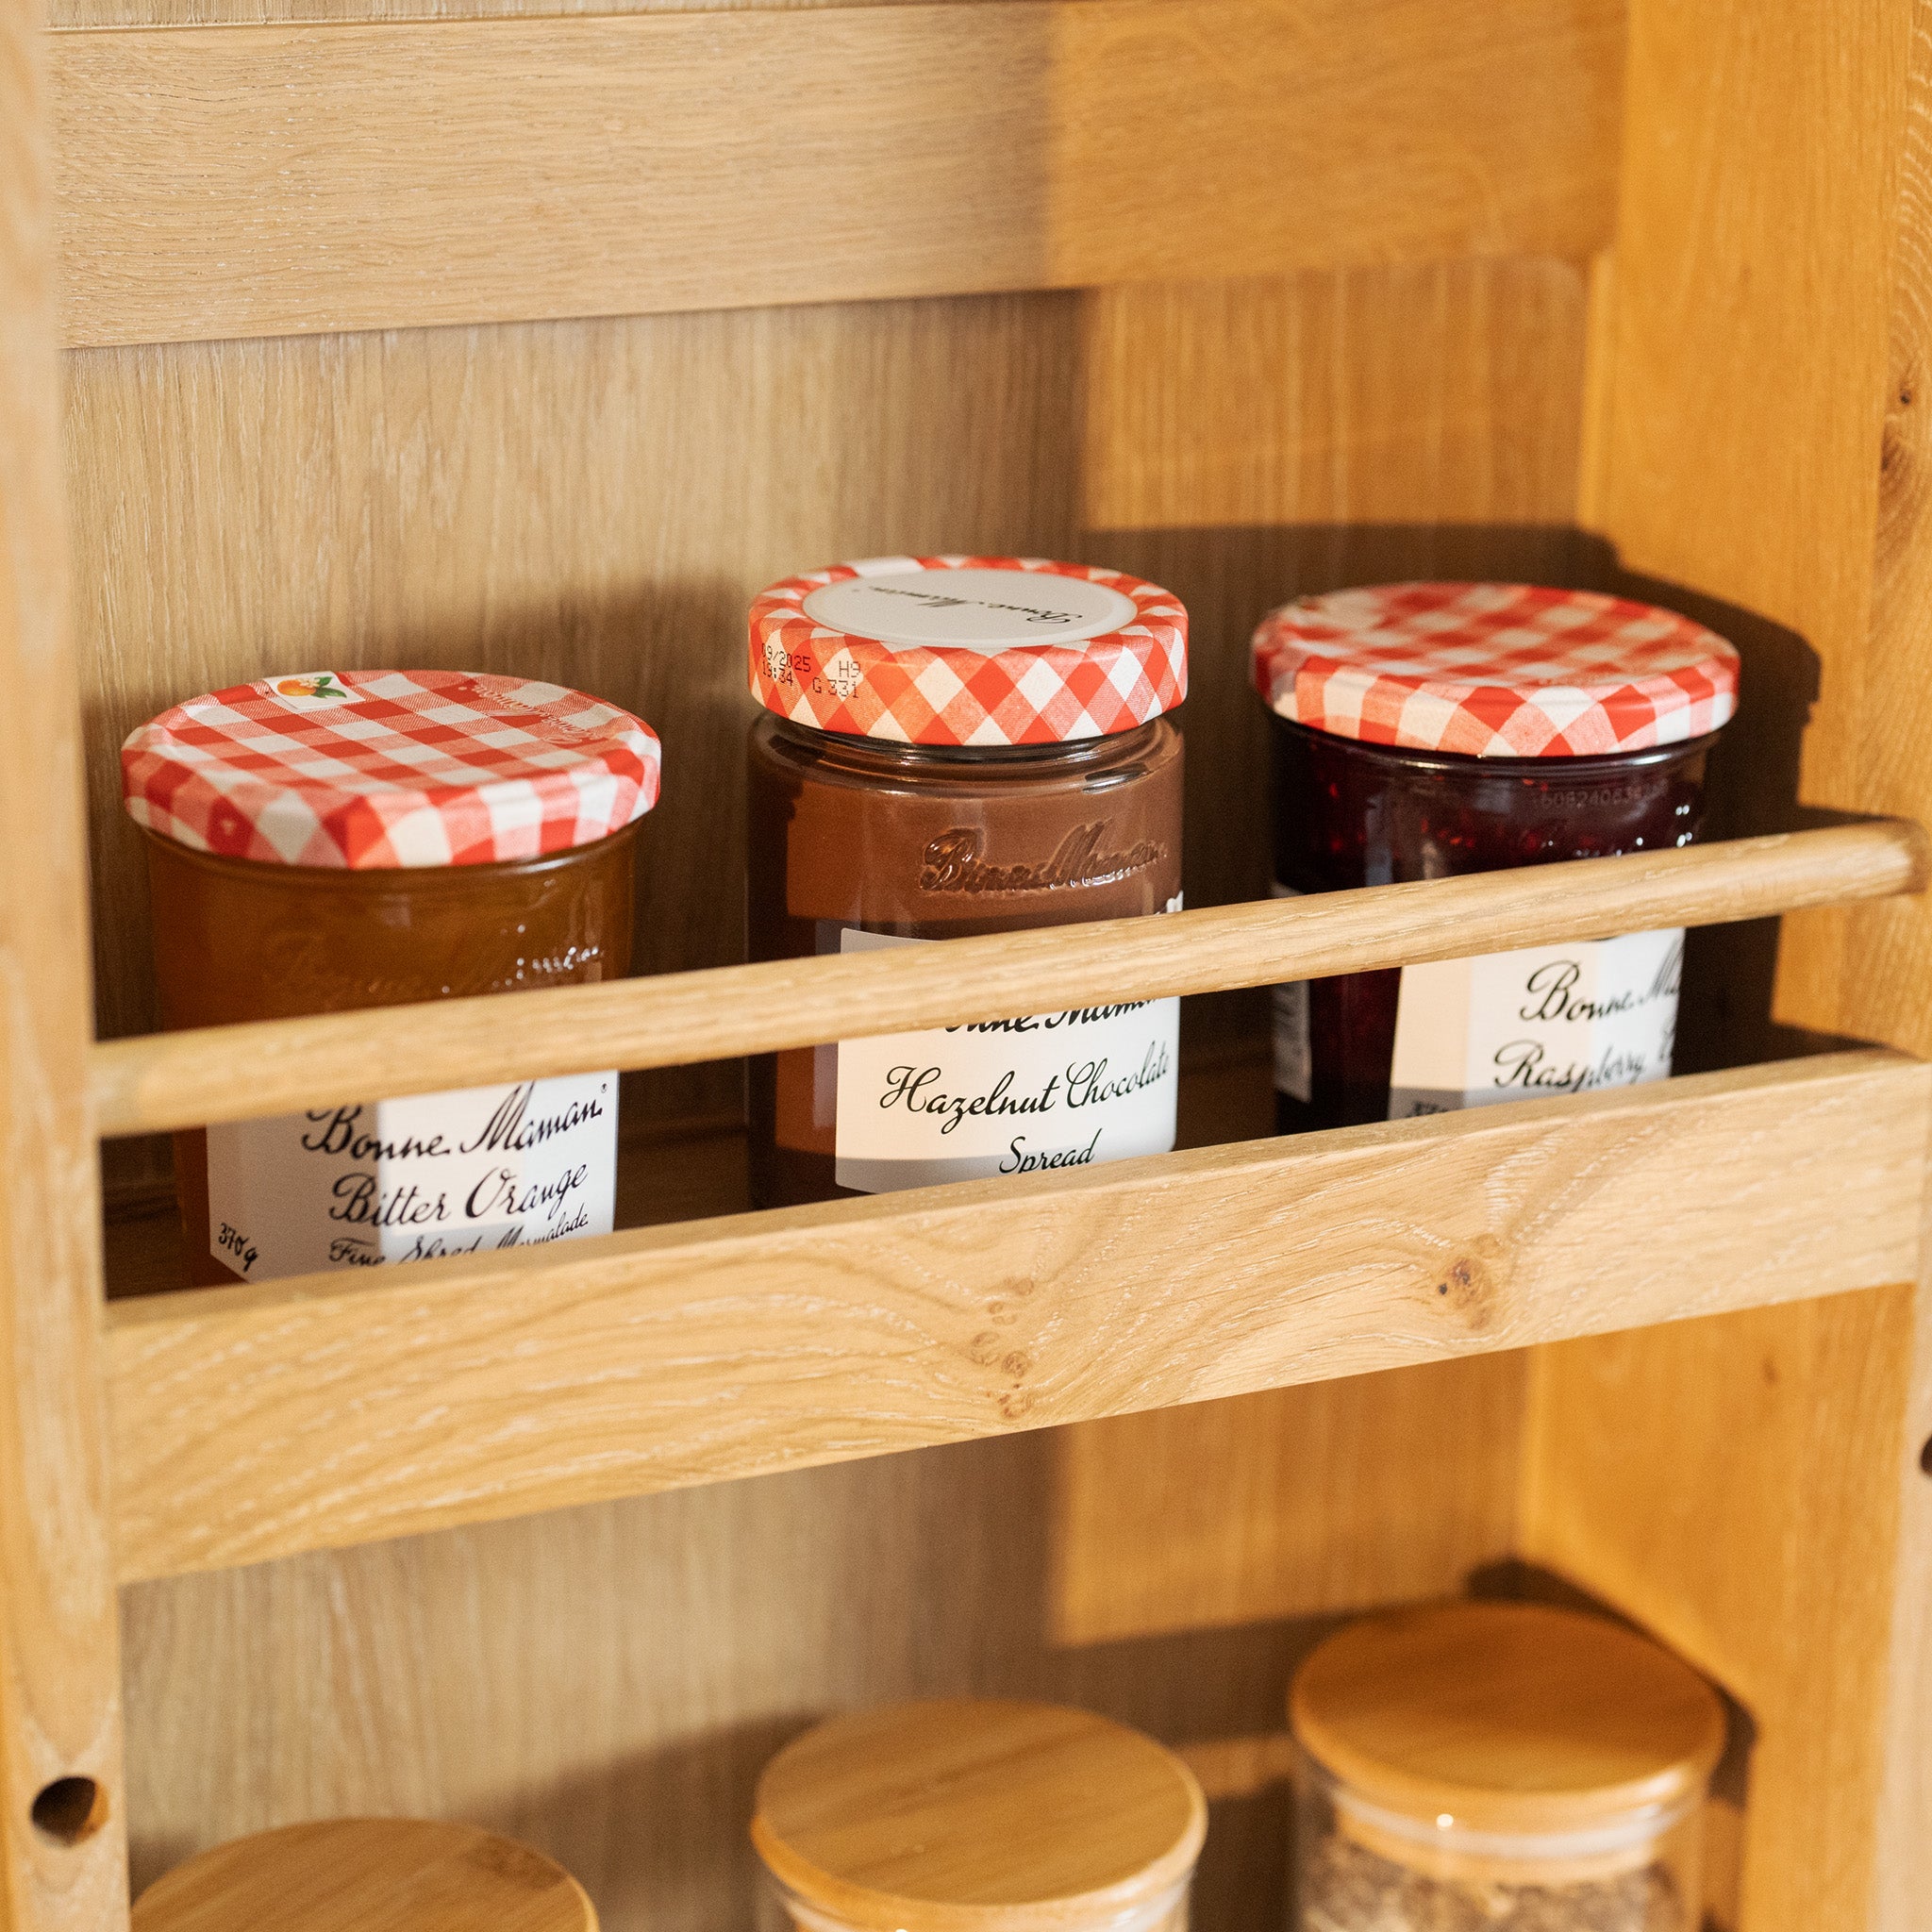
[(253, 1421), (281, 179)]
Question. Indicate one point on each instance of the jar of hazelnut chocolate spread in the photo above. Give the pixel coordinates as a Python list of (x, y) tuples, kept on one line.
[(1424, 730), (951, 747)]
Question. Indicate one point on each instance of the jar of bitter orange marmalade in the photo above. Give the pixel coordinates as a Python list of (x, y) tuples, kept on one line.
[(1424, 730), (958, 745), (366, 839)]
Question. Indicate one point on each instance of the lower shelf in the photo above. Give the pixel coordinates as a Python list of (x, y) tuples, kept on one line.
[(253, 1421)]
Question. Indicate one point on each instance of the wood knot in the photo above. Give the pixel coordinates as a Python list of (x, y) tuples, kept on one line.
[(1468, 1287), (1000, 1310)]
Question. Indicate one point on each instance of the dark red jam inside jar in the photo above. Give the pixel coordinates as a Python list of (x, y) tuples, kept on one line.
[(1483, 671), (1349, 814)]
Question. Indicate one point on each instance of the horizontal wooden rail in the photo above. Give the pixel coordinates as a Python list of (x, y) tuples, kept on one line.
[(249, 1423), (159, 1081), (279, 179)]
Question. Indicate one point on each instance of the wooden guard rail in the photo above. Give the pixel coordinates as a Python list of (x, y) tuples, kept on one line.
[(161, 1081)]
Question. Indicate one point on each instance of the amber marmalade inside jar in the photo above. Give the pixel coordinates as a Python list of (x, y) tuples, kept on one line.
[(932, 842), (1352, 814), (238, 940)]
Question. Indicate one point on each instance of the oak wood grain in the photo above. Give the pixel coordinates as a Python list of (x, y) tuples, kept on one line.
[(217, 1073), (1741, 1486), (282, 179), (253, 1421), (367, 1875), (1882, 989), (62, 1845)]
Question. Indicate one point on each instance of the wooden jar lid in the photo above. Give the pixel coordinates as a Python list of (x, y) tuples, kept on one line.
[(966, 1815), (367, 1875), (1506, 1717)]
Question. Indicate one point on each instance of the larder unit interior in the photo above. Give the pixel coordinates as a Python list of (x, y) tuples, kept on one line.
[(524, 338)]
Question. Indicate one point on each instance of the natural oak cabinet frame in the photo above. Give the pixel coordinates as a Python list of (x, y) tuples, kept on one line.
[(1739, 187)]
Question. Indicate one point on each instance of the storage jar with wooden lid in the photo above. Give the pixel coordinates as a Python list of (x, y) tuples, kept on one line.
[(367, 1875), (1422, 731), (1499, 1768), (953, 745), (365, 839), (969, 1815)]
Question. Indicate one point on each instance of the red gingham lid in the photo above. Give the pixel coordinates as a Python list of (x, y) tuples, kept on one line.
[(968, 650), (361, 770), (1494, 671)]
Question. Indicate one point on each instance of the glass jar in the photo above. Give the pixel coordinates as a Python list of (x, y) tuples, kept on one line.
[(332, 841), (1501, 1766), (961, 1813), (952, 747), (1427, 730)]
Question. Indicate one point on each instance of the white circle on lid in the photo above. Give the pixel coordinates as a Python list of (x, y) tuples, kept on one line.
[(970, 610)]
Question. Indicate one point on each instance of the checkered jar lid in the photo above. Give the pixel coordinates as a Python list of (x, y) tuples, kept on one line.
[(968, 650), (1494, 671), (364, 770)]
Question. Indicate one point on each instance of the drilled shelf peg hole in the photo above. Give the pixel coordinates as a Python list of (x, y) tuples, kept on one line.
[(70, 1810), (1926, 1455)]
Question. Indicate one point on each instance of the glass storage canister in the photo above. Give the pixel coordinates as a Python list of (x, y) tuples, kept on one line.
[(949, 746), (333, 840), (1499, 1768), (978, 1815), (1423, 730)]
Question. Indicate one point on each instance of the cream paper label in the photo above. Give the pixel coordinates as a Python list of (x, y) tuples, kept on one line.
[(409, 1180), (1543, 1020), (1007, 1097)]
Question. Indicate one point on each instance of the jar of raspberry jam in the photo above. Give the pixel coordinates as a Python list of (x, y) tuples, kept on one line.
[(1427, 731), (333, 840), (951, 747)]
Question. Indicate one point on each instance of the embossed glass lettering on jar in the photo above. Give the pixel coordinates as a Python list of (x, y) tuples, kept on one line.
[(1424, 730), (366, 839), (952, 746)]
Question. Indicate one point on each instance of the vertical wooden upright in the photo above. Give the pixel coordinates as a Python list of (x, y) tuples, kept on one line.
[(62, 1842), (1750, 1488)]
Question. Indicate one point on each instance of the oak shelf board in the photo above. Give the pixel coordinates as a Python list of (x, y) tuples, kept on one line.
[(225, 181), (154, 1082), (255, 1421)]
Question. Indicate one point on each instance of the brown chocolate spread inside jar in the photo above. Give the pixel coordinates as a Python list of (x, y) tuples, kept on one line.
[(961, 747)]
